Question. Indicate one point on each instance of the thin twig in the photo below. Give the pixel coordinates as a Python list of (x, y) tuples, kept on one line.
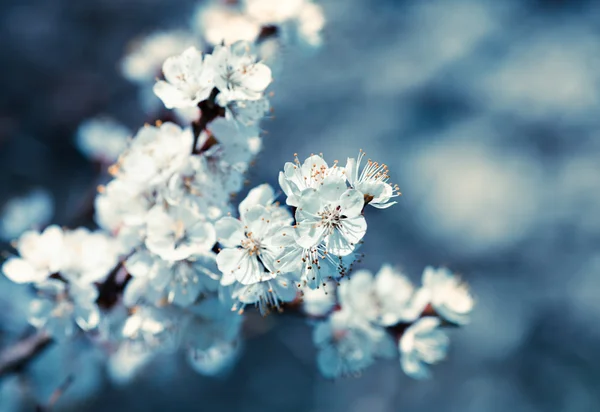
[(58, 392)]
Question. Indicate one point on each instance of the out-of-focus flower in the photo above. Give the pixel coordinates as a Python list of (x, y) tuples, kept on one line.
[(331, 214), (266, 294), (216, 360), (372, 182), (151, 328), (347, 345), (154, 155), (25, 212), (421, 344), (318, 302), (448, 295), (189, 79), (182, 281), (89, 256), (176, 232), (222, 24), (143, 63), (102, 139), (42, 254), (273, 11), (238, 74), (386, 298), (61, 307), (126, 363)]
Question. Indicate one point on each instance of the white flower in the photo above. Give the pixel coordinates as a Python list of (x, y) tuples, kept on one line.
[(197, 187), (150, 328), (273, 11), (19, 214), (143, 63), (155, 154), (347, 346), (61, 307), (253, 244), (42, 255), (222, 24), (102, 139), (296, 178), (126, 363), (315, 264), (189, 79), (386, 299), (176, 232), (449, 297), (311, 22), (238, 75), (266, 294), (331, 214), (421, 344), (181, 282), (372, 182), (89, 256), (216, 360), (121, 203), (318, 302)]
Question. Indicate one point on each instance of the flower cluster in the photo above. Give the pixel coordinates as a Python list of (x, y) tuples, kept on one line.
[(246, 20), (173, 268), (383, 315), (64, 267)]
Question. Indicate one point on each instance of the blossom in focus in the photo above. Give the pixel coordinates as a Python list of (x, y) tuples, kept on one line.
[(385, 299), (449, 297), (347, 346), (41, 255), (60, 308), (22, 213), (238, 74), (331, 213), (102, 139), (296, 178), (252, 244), (189, 79), (372, 182), (421, 344)]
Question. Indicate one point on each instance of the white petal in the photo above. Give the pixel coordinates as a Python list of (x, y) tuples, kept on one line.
[(21, 271)]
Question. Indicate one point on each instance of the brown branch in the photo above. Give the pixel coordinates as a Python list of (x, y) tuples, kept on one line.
[(16, 357), (58, 392)]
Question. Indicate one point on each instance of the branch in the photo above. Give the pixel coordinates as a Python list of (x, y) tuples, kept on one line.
[(16, 357), (56, 395)]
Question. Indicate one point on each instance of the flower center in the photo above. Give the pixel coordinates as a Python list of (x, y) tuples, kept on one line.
[(331, 218), (251, 244)]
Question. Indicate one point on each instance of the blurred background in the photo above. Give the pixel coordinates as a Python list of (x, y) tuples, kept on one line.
[(488, 116)]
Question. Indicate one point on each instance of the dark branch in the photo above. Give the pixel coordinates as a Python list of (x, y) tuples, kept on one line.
[(209, 111), (16, 357)]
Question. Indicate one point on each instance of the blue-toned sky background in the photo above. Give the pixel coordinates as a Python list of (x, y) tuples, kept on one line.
[(488, 116)]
